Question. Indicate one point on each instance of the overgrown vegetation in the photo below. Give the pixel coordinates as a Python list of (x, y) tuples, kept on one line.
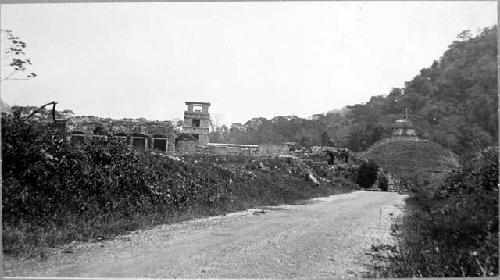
[(54, 193), (367, 174), (422, 162), (450, 230), (383, 183), (450, 224)]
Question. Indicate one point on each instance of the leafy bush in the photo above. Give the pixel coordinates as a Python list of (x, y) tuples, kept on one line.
[(55, 193), (451, 231), (383, 183), (367, 174)]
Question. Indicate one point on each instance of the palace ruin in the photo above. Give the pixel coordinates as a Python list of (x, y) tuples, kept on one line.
[(161, 137)]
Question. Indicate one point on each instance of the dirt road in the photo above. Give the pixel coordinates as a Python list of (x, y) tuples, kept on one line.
[(322, 238)]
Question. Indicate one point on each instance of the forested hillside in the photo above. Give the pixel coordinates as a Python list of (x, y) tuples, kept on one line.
[(453, 102)]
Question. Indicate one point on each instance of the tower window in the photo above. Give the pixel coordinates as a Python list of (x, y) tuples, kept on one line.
[(197, 108), (196, 123)]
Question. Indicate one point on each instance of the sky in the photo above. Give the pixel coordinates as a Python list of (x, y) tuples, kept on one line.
[(249, 59)]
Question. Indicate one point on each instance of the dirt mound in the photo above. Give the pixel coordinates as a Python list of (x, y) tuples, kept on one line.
[(416, 160)]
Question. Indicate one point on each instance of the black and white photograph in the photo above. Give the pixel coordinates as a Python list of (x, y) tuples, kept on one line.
[(249, 139)]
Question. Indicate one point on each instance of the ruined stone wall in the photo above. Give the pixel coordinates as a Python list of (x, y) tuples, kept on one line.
[(221, 149), (272, 150), (266, 150), (341, 155), (203, 139), (186, 146)]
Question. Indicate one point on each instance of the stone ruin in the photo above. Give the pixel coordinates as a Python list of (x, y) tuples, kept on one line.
[(143, 137), (197, 121), (155, 136), (403, 128), (331, 155)]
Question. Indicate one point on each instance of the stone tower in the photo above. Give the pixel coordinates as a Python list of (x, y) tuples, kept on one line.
[(197, 121), (404, 127)]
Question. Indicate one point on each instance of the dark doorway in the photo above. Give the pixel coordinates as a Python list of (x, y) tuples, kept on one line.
[(99, 130), (330, 157), (139, 143), (160, 144)]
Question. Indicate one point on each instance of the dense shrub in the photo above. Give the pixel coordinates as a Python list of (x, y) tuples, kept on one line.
[(45, 177), (367, 174), (383, 183), (452, 230), (54, 192)]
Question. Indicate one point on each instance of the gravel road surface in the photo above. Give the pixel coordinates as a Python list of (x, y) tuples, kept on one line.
[(322, 238)]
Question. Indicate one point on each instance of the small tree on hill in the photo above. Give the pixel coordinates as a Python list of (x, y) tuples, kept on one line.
[(367, 174), (383, 183)]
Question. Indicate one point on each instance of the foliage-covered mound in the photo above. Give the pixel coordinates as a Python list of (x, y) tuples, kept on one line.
[(53, 192), (449, 231), (418, 161)]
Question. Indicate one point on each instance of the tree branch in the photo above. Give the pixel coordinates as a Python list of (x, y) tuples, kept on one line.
[(10, 75), (42, 107), (7, 55)]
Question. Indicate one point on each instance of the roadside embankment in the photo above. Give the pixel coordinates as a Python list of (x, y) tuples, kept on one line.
[(55, 193)]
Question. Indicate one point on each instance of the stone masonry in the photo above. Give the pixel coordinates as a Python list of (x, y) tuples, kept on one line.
[(197, 121)]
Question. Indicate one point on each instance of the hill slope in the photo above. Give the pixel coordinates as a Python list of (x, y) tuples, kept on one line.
[(419, 161)]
